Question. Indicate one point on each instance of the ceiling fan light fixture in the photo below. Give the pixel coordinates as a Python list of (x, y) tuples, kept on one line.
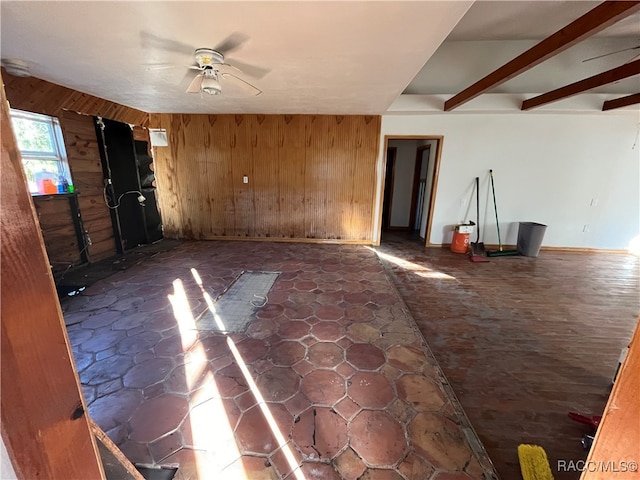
[(210, 84)]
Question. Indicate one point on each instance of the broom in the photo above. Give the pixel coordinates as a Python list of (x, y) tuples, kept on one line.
[(500, 252), (534, 464)]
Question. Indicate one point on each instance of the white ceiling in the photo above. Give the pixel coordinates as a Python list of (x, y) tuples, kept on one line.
[(531, 20), (333, 57), (324, 57)]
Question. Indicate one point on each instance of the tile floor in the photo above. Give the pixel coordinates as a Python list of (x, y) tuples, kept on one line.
[(331, 379)]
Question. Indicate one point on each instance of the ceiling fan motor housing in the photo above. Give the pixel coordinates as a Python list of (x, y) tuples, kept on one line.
[(206, 57)]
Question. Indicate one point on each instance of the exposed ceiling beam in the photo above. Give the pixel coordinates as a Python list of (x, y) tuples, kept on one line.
[(597, 19), (610, 76), (621, 102)]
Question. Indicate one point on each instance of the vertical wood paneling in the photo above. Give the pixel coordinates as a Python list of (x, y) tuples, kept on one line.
[(310, 177), (220, 185), (83, 154), (267, 137), (241, 165), (291, 175), (364, 174), (194, 197), (315, 176), (167, 174), (340, 171)]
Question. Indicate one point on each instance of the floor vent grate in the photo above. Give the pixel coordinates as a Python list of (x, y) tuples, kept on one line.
[(236, 307)]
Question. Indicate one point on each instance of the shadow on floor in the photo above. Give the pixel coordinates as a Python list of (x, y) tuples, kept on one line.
[(74, 281)]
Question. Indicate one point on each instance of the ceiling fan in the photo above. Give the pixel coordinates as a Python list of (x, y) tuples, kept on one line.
[(213, 70), (637, 47)]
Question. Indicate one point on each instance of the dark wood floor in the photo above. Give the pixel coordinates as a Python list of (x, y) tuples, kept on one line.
[(522, 340)]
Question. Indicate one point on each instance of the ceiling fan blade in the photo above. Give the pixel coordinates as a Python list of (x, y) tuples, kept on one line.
[(251, 70), (194, 86), (632, 58), (246, 86), (611, 53), (149, 40), (159, 66), (230, 43)]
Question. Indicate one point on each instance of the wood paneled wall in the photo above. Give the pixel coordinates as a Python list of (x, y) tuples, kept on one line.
[(83, 155), (39, 96), (58, 231), (310, 176)]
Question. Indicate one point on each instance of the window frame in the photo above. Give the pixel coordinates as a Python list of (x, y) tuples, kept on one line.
[(58, 154)]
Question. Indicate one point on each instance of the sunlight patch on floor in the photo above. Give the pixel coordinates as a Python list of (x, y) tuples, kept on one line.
[(208, 422), (419, 270), (282, 441)]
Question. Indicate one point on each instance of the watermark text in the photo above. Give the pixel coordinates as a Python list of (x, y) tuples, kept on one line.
[(610, 466)]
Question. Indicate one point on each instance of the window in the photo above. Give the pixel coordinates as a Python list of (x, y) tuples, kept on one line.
[(44, 158)]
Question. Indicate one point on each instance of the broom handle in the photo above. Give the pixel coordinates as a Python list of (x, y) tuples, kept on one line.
[(478, 209), (495, 207)]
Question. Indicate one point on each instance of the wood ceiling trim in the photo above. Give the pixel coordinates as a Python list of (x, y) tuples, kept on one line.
[(621, 102), (594, 21), (36, 95), (604, 78)]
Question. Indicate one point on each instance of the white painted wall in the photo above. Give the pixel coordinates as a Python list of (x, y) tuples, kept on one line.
[(547, 169), (402, 181), (6, 469)]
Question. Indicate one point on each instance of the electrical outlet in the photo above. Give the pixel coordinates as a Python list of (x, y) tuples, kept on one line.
[(245, 179), (585, 229)]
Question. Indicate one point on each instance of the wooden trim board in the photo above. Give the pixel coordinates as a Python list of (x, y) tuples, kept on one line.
[(43, 420), (615, 450)]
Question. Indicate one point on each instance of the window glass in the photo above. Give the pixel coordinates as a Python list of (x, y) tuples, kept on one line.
[(34, 136), (44, 158)]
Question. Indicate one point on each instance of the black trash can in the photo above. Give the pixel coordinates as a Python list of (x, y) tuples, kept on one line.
[(530, 235)]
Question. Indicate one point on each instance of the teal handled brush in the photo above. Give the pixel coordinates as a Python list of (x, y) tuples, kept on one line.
[(501, 252)]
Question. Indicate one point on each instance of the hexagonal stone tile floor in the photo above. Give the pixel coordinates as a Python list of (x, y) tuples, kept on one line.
[(330, 379)]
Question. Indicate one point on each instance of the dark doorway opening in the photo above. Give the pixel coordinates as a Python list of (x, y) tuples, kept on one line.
[(411, 174)]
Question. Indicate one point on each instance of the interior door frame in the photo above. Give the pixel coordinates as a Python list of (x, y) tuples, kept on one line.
[(434, 184), (394, 152), (416, 184)]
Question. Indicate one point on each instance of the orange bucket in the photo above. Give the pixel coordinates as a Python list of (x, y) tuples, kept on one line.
[(460, 243)]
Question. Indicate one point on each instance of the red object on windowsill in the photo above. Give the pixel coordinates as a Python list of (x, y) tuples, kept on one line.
[(48, 186)]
